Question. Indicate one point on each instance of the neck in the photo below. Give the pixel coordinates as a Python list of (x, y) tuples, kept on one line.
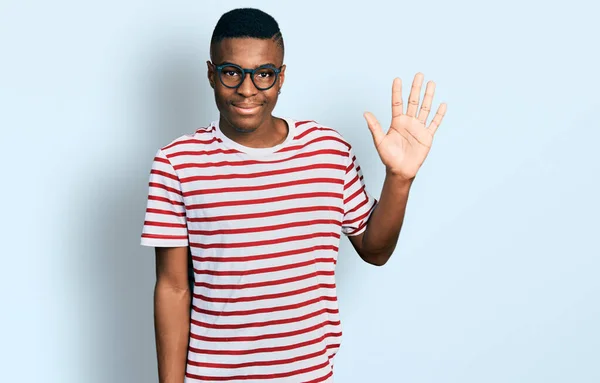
[(269, 133)]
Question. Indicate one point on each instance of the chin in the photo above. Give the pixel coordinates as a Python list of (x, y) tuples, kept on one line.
[(245, 124)]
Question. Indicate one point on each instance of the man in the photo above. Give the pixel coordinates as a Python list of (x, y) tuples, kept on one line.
[(261, 202)]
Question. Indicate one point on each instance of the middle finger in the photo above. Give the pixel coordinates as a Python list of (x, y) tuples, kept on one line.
[(415, 93)]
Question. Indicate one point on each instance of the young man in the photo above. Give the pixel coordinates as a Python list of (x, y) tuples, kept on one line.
[(261, 202)]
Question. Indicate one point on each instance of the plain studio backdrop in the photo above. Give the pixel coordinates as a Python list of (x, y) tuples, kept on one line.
[(495, 278)]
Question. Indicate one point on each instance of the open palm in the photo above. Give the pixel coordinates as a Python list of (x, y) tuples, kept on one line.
[(405, 146)]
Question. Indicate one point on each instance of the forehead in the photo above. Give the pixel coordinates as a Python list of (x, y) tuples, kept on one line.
[(247, 52)]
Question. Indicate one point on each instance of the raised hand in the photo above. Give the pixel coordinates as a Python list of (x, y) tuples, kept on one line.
[(405, 146)]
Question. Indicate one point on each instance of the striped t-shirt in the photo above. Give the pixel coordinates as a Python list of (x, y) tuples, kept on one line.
[(264, 227)]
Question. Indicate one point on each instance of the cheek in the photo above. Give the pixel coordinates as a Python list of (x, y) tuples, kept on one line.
[(221, 96), (272, 96)]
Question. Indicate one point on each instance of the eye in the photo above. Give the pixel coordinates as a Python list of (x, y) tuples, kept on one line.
[(265, 73), (229, 71)]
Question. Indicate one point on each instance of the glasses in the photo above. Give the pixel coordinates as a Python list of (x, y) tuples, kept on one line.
[(263, 77)]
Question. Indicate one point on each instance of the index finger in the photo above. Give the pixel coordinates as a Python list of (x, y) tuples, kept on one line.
[(397, 106)]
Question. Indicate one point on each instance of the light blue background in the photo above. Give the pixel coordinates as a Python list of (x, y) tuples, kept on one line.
[(496, 277)]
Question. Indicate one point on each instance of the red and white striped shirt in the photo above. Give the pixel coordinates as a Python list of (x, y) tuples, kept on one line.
[(264, 227)]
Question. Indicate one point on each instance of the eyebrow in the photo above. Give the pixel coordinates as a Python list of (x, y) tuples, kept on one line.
[(230, 63)]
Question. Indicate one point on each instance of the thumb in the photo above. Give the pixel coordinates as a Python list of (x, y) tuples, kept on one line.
[(375, 128)]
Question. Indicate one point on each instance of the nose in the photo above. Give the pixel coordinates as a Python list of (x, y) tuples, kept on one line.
[(247, 87)]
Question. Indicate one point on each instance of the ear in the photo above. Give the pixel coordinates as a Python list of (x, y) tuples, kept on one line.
[(281, 77), (210, 74)]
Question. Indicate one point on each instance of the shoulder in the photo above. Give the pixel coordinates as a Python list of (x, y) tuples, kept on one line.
[(198, 140), (311, 131)]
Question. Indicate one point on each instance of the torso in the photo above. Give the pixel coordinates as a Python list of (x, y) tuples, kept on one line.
[(264, 230)]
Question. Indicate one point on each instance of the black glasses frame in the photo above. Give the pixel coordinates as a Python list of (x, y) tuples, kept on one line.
[(245, 71)]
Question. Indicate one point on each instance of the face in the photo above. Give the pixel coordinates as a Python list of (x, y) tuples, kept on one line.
[(245, 108)]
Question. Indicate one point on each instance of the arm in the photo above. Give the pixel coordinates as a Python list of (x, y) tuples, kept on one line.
[(402, 150), (172, 299), (377, 243)]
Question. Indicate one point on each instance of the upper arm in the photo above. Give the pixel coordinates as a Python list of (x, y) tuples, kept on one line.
[(172, 267), (358, 204), (165, 223), (356, 241)]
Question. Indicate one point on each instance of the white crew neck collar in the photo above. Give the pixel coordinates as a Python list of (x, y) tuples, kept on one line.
[(257, 151)]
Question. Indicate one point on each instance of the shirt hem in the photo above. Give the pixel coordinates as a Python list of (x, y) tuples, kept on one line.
[(154, 242)]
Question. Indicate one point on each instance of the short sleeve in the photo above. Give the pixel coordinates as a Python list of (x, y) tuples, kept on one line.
[(358, 203), (165, 219)]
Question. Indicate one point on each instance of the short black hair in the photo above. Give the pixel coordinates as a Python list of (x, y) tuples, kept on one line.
[(246, 23)]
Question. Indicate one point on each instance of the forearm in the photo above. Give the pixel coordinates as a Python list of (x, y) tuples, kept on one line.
[(385, 223), (172, 325)]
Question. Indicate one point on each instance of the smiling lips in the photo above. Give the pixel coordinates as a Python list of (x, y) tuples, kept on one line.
[(243, 108)]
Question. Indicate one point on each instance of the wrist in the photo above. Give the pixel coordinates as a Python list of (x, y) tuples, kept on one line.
[(398, 179)]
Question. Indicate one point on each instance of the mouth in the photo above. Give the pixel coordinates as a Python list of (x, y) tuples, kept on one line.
[(246, 109)]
